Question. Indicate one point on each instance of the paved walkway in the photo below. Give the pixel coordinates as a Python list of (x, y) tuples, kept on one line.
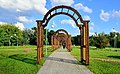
[(62, 62)]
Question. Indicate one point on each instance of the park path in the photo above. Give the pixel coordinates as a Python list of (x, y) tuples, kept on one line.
[(62, 62)]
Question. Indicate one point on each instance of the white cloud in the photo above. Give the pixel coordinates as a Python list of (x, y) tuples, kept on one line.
[(71, 22), (82, 7), (38, 5), (92, 24), (86, 17), (113, 30), (20, 26), (18, 10), (104, 15), (91, 28), (91, 33), (61, 2), (116, 13), (23, 19), (2, 23)]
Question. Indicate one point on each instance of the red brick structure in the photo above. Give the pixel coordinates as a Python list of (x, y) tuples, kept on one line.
[(58, 39), (80, 23)]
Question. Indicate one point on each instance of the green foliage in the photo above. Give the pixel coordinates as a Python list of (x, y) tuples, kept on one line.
[(101, 41), (9, 34), (76, 40), (49, 34), (33, 36), (92, 41), (29, 36)]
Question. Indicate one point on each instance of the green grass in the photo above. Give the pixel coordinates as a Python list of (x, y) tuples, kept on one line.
[(98, 66), (76, 52), (15, 60)]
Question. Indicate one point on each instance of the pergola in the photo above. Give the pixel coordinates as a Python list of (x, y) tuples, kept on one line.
[(80, 23), (58, 39)]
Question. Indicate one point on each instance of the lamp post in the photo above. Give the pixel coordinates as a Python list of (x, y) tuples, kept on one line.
[(115, 37), (115, 41), (9, 40), (52, 26), (17, 38)]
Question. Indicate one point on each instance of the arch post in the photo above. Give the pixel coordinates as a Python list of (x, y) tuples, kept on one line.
[(40, 30), (69, 43), (85, 42), (81, 36), (52, 41)]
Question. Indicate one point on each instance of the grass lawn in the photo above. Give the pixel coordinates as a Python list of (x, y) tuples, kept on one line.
[(19, 60), (101, 66)]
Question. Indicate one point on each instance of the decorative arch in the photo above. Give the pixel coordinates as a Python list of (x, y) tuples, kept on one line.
[(62, 31), (54, 11), (80, 23), (58, 38)]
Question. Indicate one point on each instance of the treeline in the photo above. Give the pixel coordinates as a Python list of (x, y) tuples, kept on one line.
[(101, 40), (10, 35)]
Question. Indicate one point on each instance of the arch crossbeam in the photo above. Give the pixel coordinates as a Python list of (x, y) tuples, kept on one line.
[(54, 11)]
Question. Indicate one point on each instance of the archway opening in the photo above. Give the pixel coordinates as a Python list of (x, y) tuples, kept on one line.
[(61, 39)]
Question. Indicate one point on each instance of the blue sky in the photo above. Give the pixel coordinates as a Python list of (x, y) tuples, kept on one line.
[(104, 15)]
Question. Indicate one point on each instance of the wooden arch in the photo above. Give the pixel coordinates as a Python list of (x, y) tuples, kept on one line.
[(74, 14), (56, 39)]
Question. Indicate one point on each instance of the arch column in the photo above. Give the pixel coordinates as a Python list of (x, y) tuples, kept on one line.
[(54, 42), (69, 43), (40, 31), (85, 42)]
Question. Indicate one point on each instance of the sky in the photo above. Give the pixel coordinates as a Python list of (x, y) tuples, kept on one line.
[(104, 15)]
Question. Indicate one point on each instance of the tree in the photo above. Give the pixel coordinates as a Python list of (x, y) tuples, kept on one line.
[(76, 40), (50, 33), (29, 36), (33, 36), (26, 38), (92, 40), (10, 35), (101, 41)]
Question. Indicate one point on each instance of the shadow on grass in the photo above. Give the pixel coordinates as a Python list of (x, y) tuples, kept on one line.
[(21, 57), (118, 57), (63, 60)]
